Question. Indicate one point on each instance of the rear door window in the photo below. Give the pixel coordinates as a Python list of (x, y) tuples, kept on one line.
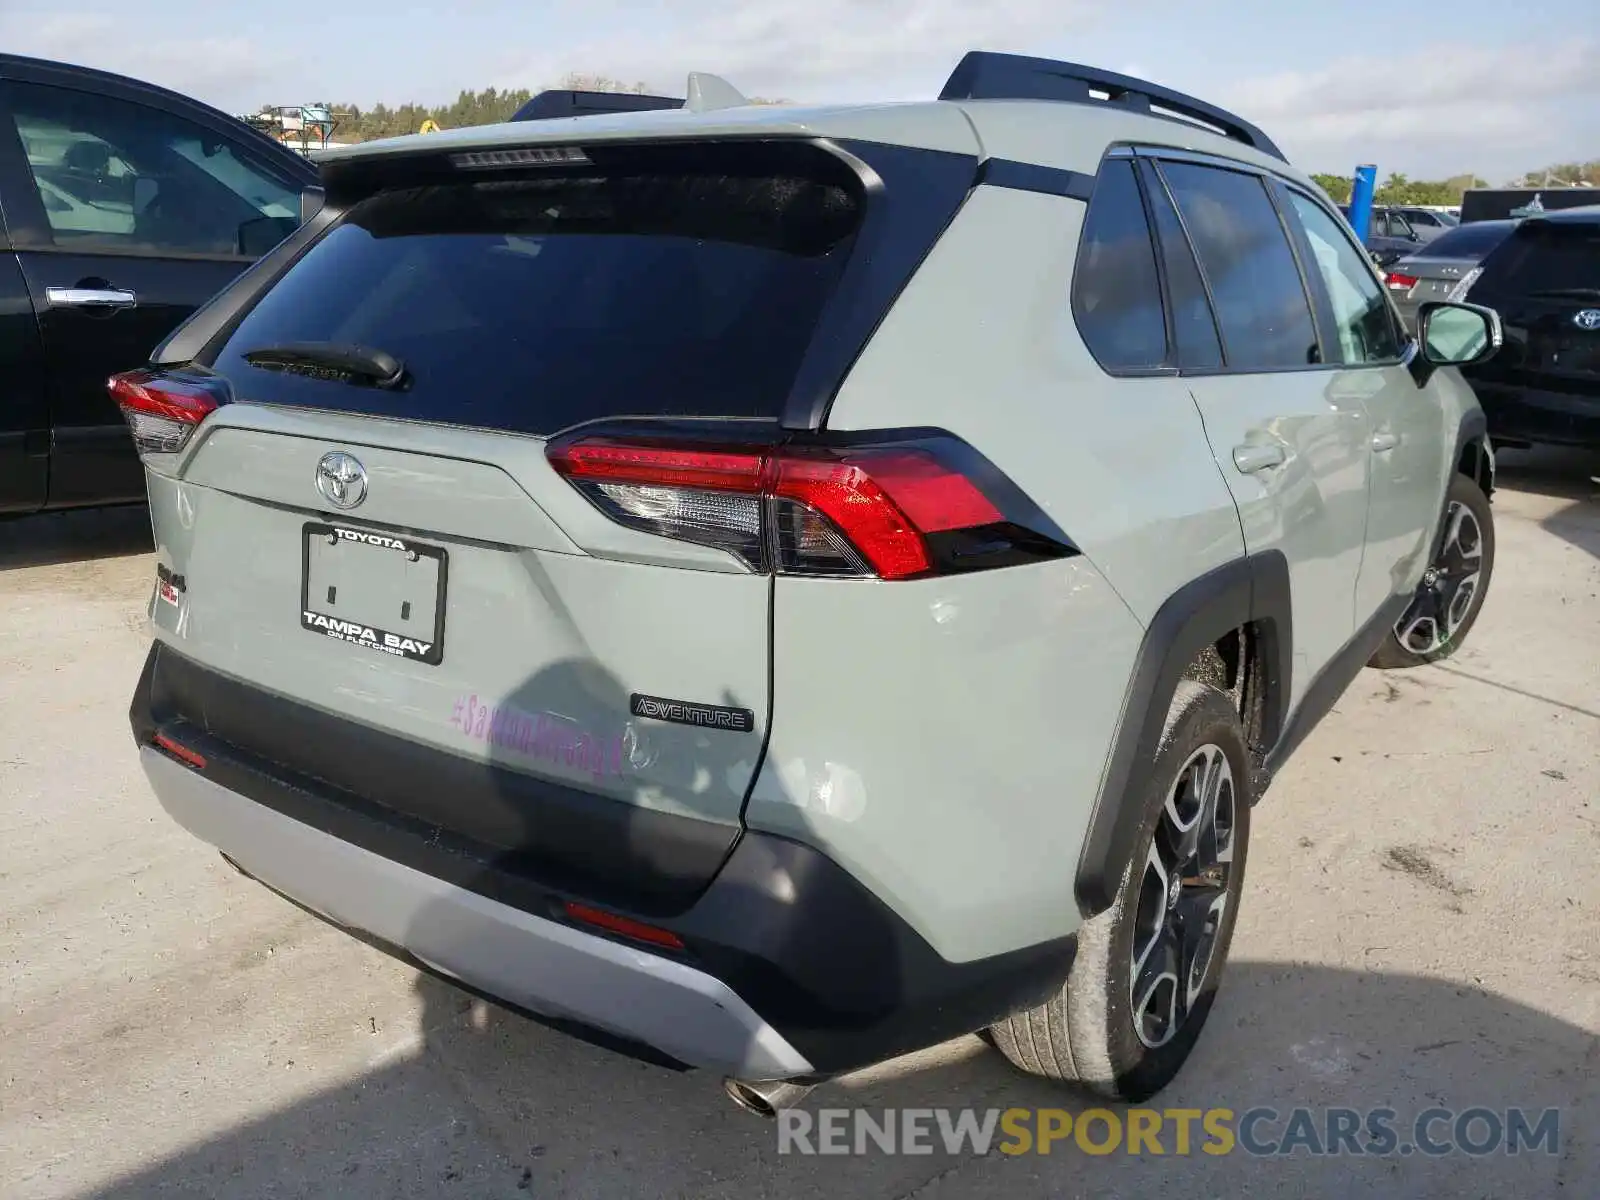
[(1193, 325), (1244, 252), (672, 281)]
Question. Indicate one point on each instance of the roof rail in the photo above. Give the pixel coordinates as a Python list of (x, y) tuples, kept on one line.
[(983, 75), (551, 104)]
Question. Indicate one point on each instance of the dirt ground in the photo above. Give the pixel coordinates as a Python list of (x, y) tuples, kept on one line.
[(1419, 930)]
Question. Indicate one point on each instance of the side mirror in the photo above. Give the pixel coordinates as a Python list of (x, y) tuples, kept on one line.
[(1454, 335), (311, 200)]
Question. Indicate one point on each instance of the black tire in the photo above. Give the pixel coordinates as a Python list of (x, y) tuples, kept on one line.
[(1085, 1034), (1439, 593)]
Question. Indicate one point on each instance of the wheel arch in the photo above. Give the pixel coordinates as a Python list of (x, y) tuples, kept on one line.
[(1245, 602), (1474, 456)]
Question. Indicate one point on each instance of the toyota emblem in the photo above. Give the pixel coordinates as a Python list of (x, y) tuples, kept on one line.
[(1588, 319), (341, 479)]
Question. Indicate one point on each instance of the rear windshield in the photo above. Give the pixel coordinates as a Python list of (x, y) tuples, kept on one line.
[(674, 282), (1467, 241), (1547, 257)]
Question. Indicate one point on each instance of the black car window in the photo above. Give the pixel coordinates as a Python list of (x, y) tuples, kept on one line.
[(1554, 258), (115, 175), (1260, 298), (1361, 313), (1116, 291), (1194, 326)]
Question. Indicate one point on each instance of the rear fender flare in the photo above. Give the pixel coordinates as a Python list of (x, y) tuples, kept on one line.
[(1248, 590)]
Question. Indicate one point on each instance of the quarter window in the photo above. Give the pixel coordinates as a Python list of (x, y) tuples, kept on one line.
[(1361, 312), (1116, 290), (1255, 284)]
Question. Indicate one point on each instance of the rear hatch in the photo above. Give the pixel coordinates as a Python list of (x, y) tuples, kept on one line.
[(1544, 281), (390, 545)]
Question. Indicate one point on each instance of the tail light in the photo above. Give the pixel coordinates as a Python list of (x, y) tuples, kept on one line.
[(888, 511), (163, 409), (1400, 281)]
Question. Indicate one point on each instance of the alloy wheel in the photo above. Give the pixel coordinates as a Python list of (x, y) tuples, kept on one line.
[(1183, 896), (1449, 587)]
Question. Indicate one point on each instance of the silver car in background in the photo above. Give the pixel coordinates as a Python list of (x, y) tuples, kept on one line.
[(1434, 271)]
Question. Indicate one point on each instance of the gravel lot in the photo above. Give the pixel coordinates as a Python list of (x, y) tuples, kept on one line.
[(1419, 928)]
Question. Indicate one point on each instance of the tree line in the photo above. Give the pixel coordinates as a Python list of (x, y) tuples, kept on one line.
[(1398, 189), (352, 123)]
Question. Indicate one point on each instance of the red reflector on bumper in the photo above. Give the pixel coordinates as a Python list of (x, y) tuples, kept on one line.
[(623, 926), (181, 753)]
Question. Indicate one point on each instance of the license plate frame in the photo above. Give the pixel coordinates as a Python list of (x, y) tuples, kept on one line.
[(315, 619)]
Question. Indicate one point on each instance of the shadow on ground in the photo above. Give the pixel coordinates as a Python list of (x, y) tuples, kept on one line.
[(1561, 474), (76, 536), (495, 1105)]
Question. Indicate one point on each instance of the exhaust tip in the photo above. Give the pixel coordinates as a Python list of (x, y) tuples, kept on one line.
[(747, 1098), (765, 1099)]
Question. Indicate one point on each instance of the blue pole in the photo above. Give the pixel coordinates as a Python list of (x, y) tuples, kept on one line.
[(1361, 189)]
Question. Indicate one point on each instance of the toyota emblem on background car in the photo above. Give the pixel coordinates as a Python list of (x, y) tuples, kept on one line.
[(1589, 318), (341, 479)]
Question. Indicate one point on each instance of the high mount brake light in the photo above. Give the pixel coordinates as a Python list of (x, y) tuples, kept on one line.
[(889, 512), (163, 410)]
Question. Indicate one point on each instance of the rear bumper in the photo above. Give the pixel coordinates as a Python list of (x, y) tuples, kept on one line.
[(790, 967), (1531, 414), (535, 963)]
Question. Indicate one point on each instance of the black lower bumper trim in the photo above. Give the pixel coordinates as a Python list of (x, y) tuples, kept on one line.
[(1540, 416), (822, 959)]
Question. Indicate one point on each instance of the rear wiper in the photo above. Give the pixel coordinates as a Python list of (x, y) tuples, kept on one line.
[(337, 361), (1578, 293)]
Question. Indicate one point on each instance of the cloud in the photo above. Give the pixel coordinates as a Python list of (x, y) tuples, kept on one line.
[(1498, 110), (224, 70), (845, 49)]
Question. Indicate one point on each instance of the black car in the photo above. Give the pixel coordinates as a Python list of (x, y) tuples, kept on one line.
[(123, 207), (1544, 280)]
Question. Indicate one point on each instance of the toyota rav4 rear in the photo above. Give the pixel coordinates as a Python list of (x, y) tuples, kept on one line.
[(468, 524), (694, 574)]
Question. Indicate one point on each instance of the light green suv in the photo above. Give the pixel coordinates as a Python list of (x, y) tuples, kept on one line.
[(784, 587)]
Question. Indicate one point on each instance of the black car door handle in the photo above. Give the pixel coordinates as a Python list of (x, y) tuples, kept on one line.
[(81, 297)]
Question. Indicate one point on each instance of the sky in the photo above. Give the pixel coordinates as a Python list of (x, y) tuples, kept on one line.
[(1429, 90)]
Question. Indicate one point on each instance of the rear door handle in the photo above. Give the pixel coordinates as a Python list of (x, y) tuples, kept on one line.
[(1259, 456), (1384, 440), (76, 297)]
